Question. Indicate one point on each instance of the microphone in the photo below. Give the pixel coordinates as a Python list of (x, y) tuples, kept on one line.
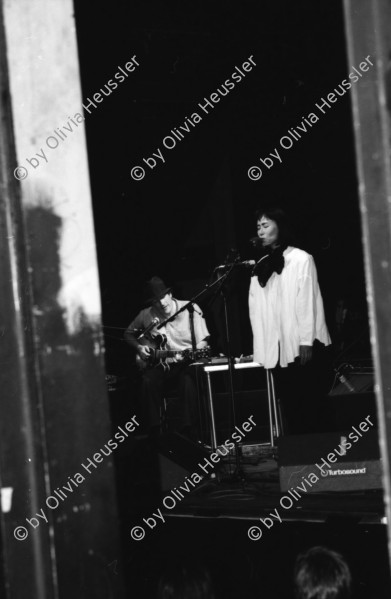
[(153, 322), (256, 242), (342, 379), (245, 263), (256, 247)]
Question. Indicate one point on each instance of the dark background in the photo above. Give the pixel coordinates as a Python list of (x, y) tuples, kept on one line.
[(185, 215)]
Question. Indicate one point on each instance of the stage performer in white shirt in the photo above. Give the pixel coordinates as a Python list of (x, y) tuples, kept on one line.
[(287, 317)]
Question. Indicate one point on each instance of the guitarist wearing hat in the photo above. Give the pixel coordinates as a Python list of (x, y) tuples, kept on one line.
[(163, 354)]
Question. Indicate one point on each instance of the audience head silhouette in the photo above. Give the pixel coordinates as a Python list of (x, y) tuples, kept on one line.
[(322, 574), (185, 581)]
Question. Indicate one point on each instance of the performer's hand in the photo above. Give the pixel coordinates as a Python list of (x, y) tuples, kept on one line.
[(144, 352), (202, 344), (305, 354)]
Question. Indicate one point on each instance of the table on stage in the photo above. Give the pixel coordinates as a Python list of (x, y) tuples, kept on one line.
[(274, 417)]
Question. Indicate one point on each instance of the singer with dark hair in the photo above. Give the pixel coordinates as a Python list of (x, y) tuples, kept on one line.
[(322, 574), (287, 316), (162, 354)]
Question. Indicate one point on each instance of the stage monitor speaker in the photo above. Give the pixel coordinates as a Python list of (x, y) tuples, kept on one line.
[(178, 457), (171, 474), (358, 468), (181, 450), (353, 380)]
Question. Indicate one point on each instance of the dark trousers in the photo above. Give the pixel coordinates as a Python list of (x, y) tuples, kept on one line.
[(301, 391), (180, 379)]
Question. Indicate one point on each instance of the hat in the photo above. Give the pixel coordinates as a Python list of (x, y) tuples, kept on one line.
[(155, 289)]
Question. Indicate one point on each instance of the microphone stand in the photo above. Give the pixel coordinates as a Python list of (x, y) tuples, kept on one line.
[(218, 286), (218, 283), (193, 300), (238, 473), (190, 307)]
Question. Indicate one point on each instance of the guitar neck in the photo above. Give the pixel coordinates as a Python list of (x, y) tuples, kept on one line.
[(160, 354)]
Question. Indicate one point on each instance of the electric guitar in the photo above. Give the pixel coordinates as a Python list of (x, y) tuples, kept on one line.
[(159, 354)]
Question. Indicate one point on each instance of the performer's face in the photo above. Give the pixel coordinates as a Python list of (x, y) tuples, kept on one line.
[(166, 304), (267, 231)]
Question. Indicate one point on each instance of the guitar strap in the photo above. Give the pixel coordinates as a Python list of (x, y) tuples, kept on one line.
[(194, 346), (192, 332)]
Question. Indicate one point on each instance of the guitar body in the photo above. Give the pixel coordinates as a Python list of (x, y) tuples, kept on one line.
[(159, 353), (157, 345)]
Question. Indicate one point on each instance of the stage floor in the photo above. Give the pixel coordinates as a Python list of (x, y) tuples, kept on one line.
[(251, 493), (257, 495), (211, 523)]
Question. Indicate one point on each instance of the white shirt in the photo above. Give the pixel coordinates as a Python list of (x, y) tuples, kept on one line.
[(288, 311), (178, 331)]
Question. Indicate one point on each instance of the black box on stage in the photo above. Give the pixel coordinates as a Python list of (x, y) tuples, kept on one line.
[(353, 380), (171, 474), (178, 458), (181, 450), (357, 468)]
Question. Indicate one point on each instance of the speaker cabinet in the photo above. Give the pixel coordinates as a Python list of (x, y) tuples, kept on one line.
[(358, 468), (171, 474), (178, 457)]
